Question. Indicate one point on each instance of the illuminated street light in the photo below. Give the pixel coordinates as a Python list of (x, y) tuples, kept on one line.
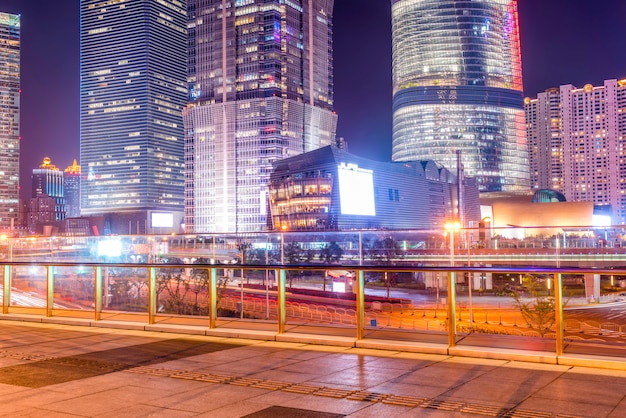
[(452, 227)]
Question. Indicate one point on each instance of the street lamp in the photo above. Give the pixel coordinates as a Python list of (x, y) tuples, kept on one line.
[(452, 227)]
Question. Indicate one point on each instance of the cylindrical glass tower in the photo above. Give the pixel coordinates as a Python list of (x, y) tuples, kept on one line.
[(457, 80)]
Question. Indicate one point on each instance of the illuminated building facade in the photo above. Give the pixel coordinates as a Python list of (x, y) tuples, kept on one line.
[(9, 119), (577, 144), (457, 87), (133, 90), (544, 135), (47, 203), (330, 189), (71, 186), (260, 90), (48, 180)]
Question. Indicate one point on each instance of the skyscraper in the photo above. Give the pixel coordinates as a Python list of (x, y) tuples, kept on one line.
[(260, 89), (47, 179), (9, 118), (576, 140), (457, 87), (133, 89), (71, 187), (47, 182)]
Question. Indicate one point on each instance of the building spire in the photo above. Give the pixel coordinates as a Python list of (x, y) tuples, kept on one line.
[(73, 169), (47, 164)]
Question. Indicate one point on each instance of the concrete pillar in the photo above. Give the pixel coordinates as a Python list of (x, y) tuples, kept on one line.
[(592, 286)]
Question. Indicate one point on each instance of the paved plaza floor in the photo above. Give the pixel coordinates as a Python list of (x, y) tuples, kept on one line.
[(49, 370)]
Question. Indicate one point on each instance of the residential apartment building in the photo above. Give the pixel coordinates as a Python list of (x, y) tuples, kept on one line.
[(577, 140)]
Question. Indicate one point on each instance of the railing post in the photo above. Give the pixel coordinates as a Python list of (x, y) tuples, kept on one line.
[(280, 305), (558, 306), (49, 290), (6, 294), (152, 299), (97, 296), (451, 309), (212, 297), (360, 304)]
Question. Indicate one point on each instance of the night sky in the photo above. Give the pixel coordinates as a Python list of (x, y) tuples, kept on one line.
[(563, 42)]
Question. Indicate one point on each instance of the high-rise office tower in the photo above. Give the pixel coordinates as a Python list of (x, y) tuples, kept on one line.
[(133, 89), (9, 118), (576, 138), (47, 182), (457, 87), (71, 186), (261, 89)]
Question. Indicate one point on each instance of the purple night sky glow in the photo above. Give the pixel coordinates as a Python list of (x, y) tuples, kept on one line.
[(563, 42)]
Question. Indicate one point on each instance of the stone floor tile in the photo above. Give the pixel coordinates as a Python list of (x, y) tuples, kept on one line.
[(567, 407), (142, 410), (608, 392), (207, 399), (361, 377), (488, 390)]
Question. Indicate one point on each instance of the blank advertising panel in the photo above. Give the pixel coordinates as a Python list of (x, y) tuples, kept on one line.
[(356, 190)]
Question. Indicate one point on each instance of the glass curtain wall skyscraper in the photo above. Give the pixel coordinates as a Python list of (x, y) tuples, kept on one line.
[(133, 90), (260, 89), (9, 118), (457, 88)]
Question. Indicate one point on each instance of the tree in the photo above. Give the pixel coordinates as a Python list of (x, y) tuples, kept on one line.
[(331, 253), (293, 254), (199, 285), (384, 252), (538, 313), (175, 285)]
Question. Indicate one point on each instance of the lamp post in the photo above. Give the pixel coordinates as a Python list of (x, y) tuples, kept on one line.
[(452, 227)]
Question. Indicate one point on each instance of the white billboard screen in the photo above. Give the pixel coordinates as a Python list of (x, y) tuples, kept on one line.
[(162, 220), (356, 190)]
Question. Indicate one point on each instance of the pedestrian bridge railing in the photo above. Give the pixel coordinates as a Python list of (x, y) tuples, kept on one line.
[(560, 315)]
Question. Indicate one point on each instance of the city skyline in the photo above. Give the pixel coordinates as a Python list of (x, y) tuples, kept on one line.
[(555, 51)]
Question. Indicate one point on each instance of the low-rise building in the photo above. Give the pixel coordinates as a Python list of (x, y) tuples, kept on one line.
[(331, 189)]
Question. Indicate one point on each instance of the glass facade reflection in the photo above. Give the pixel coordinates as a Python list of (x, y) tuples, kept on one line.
[(9, 118), (457, 83), (260, 89), (133, 90)]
